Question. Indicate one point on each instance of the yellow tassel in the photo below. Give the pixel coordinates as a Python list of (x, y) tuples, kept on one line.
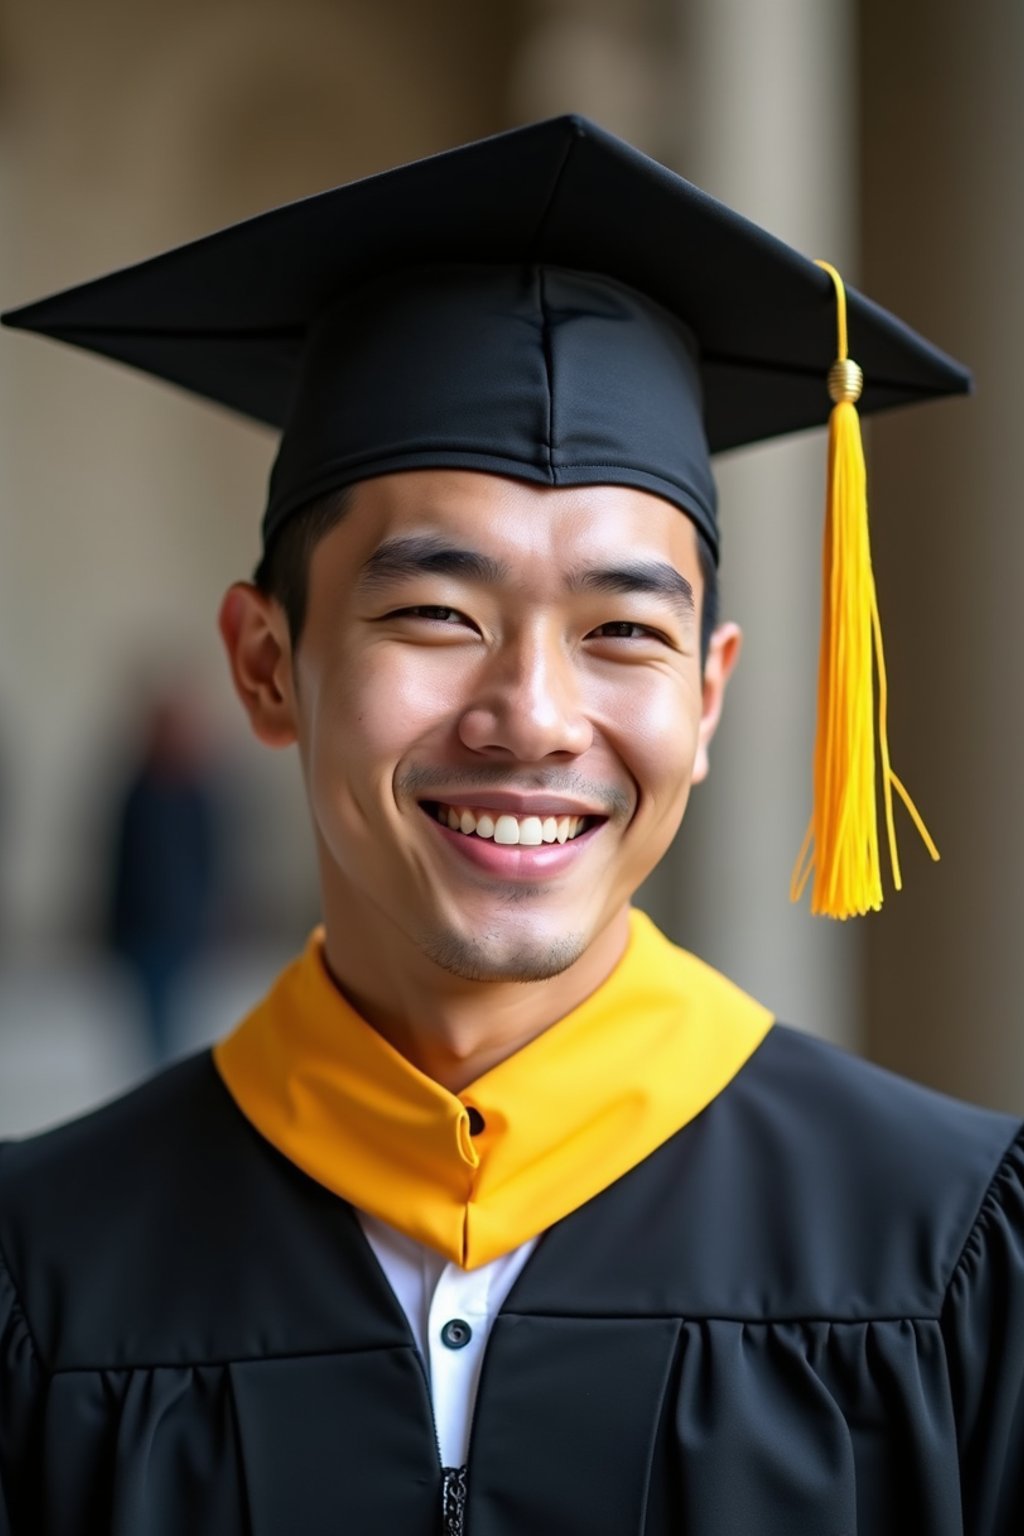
[(841, 847)]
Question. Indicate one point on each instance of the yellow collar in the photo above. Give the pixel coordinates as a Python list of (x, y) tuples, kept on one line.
[(563, 1118)]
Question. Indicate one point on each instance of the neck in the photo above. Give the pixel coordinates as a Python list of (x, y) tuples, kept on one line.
[(452, 1029)]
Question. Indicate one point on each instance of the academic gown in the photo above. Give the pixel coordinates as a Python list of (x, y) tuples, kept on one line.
[(803, 1315)]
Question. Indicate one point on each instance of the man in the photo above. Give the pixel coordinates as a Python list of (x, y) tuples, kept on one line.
[(500, 1214), (164, 862)]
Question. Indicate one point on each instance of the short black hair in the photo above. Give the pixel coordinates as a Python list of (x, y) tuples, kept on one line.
[(283, 571)]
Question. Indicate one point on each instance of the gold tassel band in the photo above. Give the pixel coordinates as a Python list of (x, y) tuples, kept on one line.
[(845, 381)]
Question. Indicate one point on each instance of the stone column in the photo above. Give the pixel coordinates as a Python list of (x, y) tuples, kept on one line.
[(943, 197), (764, 118)]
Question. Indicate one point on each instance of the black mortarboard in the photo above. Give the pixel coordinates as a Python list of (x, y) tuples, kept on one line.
[(549, 304), (439, 314)]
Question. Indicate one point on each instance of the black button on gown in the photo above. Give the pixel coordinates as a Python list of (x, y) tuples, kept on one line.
[(802, 1316)]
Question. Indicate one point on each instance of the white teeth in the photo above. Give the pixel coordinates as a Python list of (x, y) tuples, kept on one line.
[(529, 832), (506, 830)]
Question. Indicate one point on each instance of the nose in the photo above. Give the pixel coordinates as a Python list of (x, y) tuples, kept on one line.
[(527, 703)]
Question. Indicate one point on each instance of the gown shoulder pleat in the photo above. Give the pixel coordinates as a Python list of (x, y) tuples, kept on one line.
[(20, 1375), (983, 1328)]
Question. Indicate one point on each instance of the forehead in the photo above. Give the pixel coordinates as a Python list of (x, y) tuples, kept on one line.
[(532, 530)]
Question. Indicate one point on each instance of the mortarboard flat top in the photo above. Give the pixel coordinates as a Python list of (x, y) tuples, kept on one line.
[(227, 316)]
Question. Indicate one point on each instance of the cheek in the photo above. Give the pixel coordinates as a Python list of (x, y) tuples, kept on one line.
[(652, 720), (656, 735), (371, 709)]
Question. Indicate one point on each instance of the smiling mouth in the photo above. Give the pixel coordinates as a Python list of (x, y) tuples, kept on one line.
[(507, 830)]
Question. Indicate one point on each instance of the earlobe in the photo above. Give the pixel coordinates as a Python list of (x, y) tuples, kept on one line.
[(723, 654), (255, 636)]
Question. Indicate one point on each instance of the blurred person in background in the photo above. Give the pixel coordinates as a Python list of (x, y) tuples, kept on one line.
[(164, 858), (500, 1214)]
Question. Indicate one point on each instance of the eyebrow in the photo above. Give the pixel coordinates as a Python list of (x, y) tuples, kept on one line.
[(428, 554), (653, 577)]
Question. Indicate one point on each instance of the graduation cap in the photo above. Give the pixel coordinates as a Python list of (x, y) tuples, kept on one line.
[(553, 305)]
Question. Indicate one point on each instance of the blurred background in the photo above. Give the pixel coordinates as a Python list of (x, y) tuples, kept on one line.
[(155, 866)]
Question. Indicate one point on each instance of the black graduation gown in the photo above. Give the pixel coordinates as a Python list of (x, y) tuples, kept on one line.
[(802, 1316)]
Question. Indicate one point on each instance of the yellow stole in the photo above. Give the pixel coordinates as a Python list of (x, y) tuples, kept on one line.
[(562, 1119)]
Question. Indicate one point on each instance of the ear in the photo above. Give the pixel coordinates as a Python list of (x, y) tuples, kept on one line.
[(255, 634), (723, 654)]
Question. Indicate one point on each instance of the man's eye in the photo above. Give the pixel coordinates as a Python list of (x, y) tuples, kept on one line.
[(623, 629), (433, 611)]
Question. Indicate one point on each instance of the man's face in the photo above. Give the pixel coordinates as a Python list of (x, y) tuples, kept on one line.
[(520, 660)]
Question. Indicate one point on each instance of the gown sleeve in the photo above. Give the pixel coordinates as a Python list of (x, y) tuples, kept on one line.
[(19, 1382), (983, 1322)]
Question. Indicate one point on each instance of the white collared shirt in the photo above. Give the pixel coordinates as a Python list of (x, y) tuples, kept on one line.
[(450, 1312)]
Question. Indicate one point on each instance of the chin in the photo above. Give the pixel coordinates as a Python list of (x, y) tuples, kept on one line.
[(499, 957)]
